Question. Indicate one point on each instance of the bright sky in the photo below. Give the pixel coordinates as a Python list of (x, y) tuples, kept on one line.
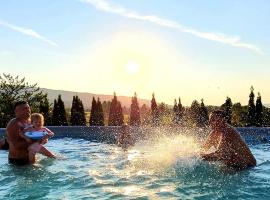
[(193, 49)]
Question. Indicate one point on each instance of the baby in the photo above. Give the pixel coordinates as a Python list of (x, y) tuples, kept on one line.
[(37, 121)]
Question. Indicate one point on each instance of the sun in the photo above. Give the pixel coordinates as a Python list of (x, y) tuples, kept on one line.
[(132, 67)]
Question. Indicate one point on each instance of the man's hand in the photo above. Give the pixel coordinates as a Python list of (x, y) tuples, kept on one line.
[(210, 156), (28, 140)]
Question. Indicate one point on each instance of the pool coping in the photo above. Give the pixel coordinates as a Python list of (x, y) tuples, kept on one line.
[(109, 134)]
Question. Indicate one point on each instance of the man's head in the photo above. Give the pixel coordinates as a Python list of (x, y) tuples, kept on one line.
[(22, 110), (217, 119)]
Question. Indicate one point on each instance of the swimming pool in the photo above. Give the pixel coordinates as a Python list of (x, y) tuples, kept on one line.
[(165, 168)]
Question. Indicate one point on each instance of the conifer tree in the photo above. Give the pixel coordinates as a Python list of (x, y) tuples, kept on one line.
[(77, 112), (175, 112), (93, 113), (180, 111), (135, 112), (74, 112), (203, 115), (100, 114), (119, 115), (259, 111), (251, 120), (228, 110), (154, 111), (59, 117), (82, 114), (116, 117), (195, 109)]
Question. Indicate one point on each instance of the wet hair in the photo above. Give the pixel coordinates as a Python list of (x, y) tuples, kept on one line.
[(18, 103), (37, 116), (219, 113)]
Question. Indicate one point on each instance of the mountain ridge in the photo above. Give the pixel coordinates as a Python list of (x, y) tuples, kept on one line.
[(87, 97)]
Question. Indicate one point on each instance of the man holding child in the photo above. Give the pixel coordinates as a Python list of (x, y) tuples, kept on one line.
[(19, 146)]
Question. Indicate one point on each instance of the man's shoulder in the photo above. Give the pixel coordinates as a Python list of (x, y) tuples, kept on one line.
[(12, 122), (12, 127), (232, 131), (231, 128)]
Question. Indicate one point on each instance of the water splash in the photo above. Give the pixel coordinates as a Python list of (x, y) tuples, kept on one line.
[(163, 151), (150, 166)]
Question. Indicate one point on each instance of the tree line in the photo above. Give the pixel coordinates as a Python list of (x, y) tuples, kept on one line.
[(112, 113)]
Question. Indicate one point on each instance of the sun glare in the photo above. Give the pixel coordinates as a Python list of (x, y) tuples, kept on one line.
[(135, 61), (132, 67)]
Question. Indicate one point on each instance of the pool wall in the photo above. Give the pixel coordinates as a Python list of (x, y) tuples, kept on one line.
[(109, 134), (94, 133)]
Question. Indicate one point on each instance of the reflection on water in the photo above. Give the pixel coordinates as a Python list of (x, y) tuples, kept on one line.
[(165, 167)]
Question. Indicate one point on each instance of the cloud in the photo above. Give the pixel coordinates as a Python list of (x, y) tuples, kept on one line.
[(217, 37), (28, 32)]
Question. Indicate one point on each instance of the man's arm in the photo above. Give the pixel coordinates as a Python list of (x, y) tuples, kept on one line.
[(210, 141), (13, 136), (220, 153), (211, 156), (21, 134)]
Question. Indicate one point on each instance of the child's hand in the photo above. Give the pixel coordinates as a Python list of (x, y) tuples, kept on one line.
[(44, 140), (50, 134)]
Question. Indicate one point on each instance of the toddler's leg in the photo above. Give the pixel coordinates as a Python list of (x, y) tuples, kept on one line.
[(43, 150), (32, 150)]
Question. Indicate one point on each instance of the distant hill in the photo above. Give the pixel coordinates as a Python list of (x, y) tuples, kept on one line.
[(87, 98)]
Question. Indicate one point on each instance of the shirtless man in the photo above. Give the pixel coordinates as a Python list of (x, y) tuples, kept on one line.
[(18, 153), (230, 147)]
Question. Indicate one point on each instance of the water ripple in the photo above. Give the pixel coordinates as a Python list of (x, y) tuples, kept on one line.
[(168, 169)]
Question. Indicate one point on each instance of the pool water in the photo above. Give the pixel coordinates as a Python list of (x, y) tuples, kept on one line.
[(168, 168)]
